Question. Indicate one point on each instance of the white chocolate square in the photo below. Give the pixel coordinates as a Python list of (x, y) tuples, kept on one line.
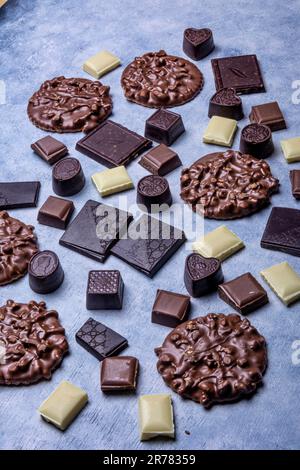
[(291, 149), (220, 131), (156, 416), (284, 281), (111, 181), (101, 63), (219, 243)]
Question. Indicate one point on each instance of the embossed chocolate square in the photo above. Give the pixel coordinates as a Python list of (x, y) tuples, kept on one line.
[(164, 126), (104, 290), (119, 373)]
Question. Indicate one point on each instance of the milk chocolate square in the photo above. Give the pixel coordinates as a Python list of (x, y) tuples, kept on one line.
[(170, 308), (160, 160), (268, 114), (295, 183), (49, 149), (56, 212), (119, 373)]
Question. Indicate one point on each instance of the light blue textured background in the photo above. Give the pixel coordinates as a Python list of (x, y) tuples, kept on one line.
[(42, 39)]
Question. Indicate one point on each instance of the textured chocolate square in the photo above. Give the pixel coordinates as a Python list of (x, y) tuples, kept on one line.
[(18, 195), (119, 373), (99, 340), (282, 232), (243, 293), (164, 126), (268, 114), (295, 183), (49, 149), (112, 144), (56, 212), (160, 160), (239, 72), (95, 230), (170, 308), (150, 246), (104, 290)]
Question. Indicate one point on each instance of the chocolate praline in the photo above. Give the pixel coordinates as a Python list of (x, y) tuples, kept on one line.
[(198, 43), (67, 177), (226, 103), (45, 272), (153, 193), (202, 275), (256, 139)]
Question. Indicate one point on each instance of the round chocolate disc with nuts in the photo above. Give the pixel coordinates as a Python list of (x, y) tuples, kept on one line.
[(227, 185), (159, 80), (69, 105), (32, 342), (213, 359)]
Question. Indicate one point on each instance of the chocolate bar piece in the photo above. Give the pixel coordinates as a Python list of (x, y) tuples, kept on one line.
[(220, 131), (95, 230), (153, 194), (202, 275), (243, 293), (119, 373), (104, 290), (99, 340), (295, 182), (111, 181), (45, 272), (164, 126), (268, 114), (49, 149), (101, 63), (156, 416), (18, 195), (160, 160), (220, 243), (291, 149), (198, 43), (149, 244), (239, 72), (170, 308), (67, 177), (63, 405), (282, 231), (112, 144), (256, 140), (56, 212), (284, 281)]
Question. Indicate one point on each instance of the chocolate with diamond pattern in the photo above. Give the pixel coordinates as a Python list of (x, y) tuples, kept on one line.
[(104, 290), (213, 359)]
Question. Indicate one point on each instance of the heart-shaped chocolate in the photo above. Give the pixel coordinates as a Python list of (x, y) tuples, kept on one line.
[(202, 275), (226, 103), (198, 43)]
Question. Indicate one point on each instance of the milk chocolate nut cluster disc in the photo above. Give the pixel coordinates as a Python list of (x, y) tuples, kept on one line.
[(17, 245), (213, 359), (159, 80), (32, 342), (227, 185), (69, 105)]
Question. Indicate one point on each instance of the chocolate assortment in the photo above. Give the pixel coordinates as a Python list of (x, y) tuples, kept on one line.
[(69, 105), (227, 185), (19, 195), (213, 359), (256, 140), (142, 83), (45, 272), (18, 244), (34, 342), (153, 193)]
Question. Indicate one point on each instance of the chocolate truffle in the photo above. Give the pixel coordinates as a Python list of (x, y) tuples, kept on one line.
[(256, 140), (45, 272), (164, 126), (226, 103), (202, 275), (67, 177), (198, 43), (153, 193), (104, 290)]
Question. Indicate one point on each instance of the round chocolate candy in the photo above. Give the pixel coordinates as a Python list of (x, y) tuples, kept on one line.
[(45, 272), (256, 140), (67, 177), (153, 193)]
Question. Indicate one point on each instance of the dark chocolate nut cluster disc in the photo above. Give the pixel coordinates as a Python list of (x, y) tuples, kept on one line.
[(227, 185), (32, 342), (157, 80), (213, 359), (69, 105), (17, 245)]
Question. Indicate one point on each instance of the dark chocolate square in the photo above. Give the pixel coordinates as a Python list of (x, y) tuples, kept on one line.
[(282, 232), (56, 212), (104, 290), (49, 149), (18, 195), (268, 114), (164, 126), (112, 144), (100, 340), (239, 72), (243, 293), (95, 230), (119, 373), (295, 183), (170, 308), (160, 160), (149, 244)]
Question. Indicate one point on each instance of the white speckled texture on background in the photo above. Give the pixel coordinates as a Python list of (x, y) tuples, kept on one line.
[(40, 39)]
